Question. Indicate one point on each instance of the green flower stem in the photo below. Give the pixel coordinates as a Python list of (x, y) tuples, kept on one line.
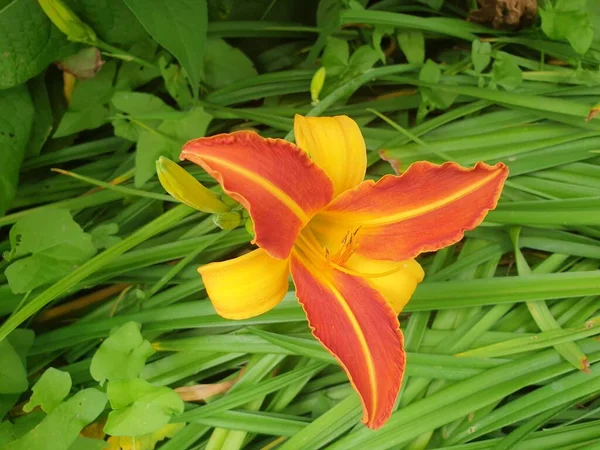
[(115, 187), (118, 53)]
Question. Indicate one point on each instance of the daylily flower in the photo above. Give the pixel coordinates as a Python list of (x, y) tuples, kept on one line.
[(348, 244)]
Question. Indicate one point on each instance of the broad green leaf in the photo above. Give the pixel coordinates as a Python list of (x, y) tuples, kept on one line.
[(42, 119), (21, 341), (49, 391), (341, 70), (150, 146), (430, 73), (378, 34), (122, 355), (506, 72), (139, 407), (49, 244), (126, 129), (176, 84), (112, 20), (43, 230), (156, 139), (481, 55), (568, 20), (88, 108), (29, 42), (189, 126), (27, 423), (335, 56), (327, 11), (7, 402), (362, 60), (61, 428), (167, 141), (13, 377), (224, 64), (132, 75), (16, 120), (138, 103), (7, 433), (180, 27), (105, 235), (412, 44), (146, 441)]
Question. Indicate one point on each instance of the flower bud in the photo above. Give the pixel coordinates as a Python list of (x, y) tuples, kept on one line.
[(316, 84), (227, 220), (67, 21), (185, 188), (228, 200), (249, 225)]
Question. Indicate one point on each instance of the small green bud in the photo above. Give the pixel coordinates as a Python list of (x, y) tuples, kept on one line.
[(316, 84), (185, 188), (249, 225), (227, 220), (67, 21), (228, 200)]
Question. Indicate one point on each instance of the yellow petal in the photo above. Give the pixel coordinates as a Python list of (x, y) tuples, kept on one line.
[(397, 288), (336, 145), (246, 286), (185, 188), (69, 82)]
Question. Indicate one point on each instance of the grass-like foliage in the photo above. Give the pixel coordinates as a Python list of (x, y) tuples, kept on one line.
[(107, 338)]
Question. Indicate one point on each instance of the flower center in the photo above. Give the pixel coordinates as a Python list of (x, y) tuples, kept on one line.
[(347, 248), (321, 258)]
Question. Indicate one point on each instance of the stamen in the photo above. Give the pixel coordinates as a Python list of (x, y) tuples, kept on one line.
[(348, 247), (312, 253)]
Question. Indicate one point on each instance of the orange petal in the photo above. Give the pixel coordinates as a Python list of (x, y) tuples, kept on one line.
[(246, 286), (354, 322), (427, 208), (277, 183)]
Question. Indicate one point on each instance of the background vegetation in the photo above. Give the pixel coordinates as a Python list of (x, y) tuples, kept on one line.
[(106, 327)]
